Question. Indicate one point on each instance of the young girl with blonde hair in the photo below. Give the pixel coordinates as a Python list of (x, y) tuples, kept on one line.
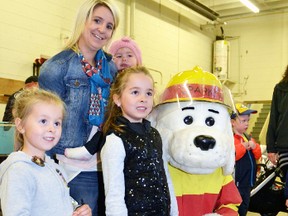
[(31, 183)]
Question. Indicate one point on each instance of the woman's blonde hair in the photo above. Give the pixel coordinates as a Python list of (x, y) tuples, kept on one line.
[(113, 111), (85, 13), (24, 103)]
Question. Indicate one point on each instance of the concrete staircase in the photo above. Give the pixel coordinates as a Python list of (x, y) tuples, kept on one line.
[(263, 113)]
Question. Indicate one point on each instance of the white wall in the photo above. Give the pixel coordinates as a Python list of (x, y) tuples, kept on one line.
[(29, 29), (260, 53), (169, 36), (170, 42)]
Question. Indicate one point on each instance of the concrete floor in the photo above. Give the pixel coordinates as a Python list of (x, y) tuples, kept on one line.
[(256, 214)]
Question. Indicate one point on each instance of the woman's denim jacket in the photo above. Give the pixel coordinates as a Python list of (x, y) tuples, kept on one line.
[(63, 74)]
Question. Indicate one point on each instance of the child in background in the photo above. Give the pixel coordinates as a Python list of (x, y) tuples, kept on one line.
[(247, 153), (30, 82), (136, 179), (126, 53), (31, 182)]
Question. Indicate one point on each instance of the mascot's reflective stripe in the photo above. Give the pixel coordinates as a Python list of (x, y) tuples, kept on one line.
[(202, 194), (195, 91)]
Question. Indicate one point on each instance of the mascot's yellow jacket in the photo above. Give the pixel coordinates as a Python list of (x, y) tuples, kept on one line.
[(198, 195)]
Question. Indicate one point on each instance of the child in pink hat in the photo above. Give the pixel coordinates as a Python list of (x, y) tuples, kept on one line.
[(126, 53)]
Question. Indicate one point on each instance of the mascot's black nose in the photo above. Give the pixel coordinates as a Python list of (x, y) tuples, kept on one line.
[(204, 142)]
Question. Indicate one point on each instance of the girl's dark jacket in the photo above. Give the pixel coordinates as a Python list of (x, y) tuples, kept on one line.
[(277, 134)]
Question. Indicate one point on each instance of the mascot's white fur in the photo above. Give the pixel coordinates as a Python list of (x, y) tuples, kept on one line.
[(198, 142)]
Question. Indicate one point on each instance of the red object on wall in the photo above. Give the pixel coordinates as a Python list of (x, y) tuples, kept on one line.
[(37, 64)]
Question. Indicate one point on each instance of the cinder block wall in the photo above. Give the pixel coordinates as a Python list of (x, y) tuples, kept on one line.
[(169, 35)]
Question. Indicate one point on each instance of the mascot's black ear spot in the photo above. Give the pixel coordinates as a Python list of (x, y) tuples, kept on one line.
[(188, 120)]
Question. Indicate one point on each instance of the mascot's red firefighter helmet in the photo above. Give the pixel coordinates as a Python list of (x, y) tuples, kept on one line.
[(196, 85), (191, 85)]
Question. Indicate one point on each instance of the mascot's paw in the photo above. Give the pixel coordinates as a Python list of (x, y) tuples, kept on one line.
[(212, 214), (78, 153)]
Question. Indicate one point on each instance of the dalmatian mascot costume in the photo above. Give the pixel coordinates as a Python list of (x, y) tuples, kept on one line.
[(194, 124)]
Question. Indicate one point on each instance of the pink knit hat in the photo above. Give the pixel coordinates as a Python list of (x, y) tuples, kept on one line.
[(129, 43)]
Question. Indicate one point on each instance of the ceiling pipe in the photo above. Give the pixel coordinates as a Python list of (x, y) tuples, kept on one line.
[(200, 8), (251, 15)]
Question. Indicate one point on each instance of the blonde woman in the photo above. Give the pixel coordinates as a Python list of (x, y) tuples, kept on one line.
[(82, 75)]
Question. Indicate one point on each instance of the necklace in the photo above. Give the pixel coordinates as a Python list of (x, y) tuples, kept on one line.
[(62, 177)]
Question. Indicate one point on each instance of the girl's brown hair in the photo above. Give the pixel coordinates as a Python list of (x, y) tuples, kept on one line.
[(113, 111), (285, 75), (24, 104)]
